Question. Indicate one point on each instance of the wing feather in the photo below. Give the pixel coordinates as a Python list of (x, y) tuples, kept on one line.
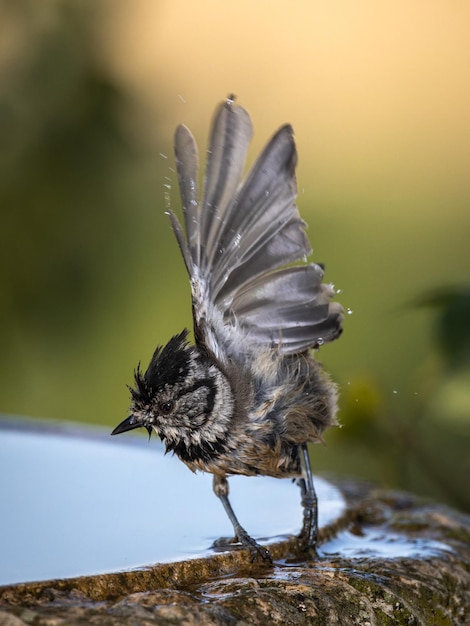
[(242, 235), (230, 137), (187, 166)]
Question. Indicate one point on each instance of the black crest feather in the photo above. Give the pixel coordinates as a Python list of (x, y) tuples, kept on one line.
[(169, 365)]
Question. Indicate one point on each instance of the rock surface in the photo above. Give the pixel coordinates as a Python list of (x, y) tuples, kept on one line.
[(400, 560)]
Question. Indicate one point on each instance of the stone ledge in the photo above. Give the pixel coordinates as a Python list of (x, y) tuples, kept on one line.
[(431, 588)]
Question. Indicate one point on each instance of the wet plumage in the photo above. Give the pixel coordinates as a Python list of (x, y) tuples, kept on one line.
[(248, 395)]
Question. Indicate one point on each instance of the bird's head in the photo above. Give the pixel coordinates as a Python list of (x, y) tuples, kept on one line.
[(175, 396)]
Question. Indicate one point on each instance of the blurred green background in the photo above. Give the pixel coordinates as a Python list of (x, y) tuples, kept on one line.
[(91, 278)]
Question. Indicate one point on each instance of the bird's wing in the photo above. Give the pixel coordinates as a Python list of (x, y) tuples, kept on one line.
[(240, 237)]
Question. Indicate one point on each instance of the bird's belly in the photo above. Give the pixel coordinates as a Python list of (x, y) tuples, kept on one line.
[(253, 460)]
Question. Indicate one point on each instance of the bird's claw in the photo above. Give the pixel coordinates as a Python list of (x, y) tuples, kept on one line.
[(258, 552)]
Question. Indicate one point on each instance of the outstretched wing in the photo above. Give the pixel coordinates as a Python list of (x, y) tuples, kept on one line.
[(240, 237)]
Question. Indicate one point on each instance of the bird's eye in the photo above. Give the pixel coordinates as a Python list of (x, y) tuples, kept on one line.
[(167, 407)]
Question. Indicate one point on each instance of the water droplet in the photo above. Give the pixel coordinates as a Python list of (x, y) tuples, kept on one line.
[(182, 99), (395, 391), (320, 341), (339, 291), (167, 199), (164, 156), (266, 193), (349, 311)]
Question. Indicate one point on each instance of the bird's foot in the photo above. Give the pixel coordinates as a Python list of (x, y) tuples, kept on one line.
[(306, 549), (224, 542), (307, 538), (258, 552)]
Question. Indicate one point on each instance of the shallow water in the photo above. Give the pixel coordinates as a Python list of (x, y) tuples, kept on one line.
[(375, 543), (77, 501)]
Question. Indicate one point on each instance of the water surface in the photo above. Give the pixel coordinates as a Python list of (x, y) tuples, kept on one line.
[(77, 501)]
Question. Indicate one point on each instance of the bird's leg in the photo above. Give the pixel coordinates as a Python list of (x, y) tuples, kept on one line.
[(221, 489), (308, 534)]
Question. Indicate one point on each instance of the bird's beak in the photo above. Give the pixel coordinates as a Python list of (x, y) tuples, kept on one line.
[(128, 424)]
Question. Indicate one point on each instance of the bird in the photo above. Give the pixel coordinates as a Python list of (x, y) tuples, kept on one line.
[(248, 394)]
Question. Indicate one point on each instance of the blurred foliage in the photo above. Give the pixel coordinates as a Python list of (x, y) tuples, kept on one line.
[(453, 323), (73, 181), (91, 279), (420, 444), (62, 152)]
